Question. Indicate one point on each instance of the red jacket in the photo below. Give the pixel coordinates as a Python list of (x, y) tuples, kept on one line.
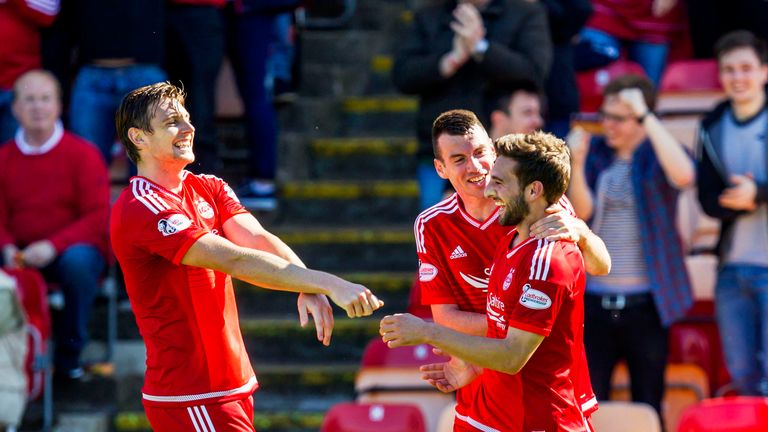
[(20, 21), (61, 195), (634, 20)]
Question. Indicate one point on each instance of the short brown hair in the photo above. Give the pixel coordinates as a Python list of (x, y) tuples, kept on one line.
[(138, 108), (633, 81), (454, 122), (540, 156), (741, 39)]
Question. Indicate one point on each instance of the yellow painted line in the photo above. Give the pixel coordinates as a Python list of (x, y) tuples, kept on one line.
[(373, 146), (346, 236), (381, 63), (368, 105), (383, 281), (349, 190), (137, 420), (406, 16)]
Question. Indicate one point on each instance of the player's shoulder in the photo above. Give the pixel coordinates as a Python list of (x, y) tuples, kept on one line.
[(143, 197), (438, 212), (551, 260)]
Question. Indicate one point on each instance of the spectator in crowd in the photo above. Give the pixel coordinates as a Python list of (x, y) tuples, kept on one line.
[(194, 53), (20, 23), (733, 187), (121, 47), (54, 208), (566, 19), (644, 27), (282, 60), (514, 109), (455, 50), (627, 183), (250, 33)]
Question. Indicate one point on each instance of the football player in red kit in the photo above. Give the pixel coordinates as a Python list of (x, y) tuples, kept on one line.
[(179, 237), (456, 239), (534, 307)]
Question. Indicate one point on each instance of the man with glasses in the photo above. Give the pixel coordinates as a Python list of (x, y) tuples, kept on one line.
[(626, 182)]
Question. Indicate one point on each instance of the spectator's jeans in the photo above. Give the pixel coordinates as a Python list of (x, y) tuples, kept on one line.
[(431, 185), (77, 270), (249, 37), (281, 55), (8, 123), (741, 299), (651, 56), (97, 93)]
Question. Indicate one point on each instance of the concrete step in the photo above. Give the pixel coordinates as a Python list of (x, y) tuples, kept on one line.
[(374, 115), (363, 158), (354, 249), (275, 421), (342, 202), (391, 287)]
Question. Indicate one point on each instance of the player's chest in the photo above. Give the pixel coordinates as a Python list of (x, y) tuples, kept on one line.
[(202, 211)]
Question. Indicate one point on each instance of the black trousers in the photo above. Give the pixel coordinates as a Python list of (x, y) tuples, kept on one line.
[(634, 334)]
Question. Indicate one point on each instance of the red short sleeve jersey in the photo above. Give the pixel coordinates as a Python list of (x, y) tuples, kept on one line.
[(455, 254), (538, 286), (186, 315)]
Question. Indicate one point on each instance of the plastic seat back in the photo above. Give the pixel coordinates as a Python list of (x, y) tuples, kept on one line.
[(370, 417), (734, 414)]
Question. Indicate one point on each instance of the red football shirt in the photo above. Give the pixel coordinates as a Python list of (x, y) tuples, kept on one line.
[(186, 315), (538, 286)]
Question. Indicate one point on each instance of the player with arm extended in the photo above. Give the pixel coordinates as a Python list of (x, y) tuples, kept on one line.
[(179, 238)]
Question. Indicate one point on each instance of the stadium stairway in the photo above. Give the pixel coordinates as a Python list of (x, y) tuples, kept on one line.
[(347, 201)]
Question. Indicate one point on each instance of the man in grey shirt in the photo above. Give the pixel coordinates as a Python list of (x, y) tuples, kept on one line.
[(733, 187)]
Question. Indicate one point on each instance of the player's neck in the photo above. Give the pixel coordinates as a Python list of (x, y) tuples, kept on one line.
[(479, 208), (169, 178), (524, 227)]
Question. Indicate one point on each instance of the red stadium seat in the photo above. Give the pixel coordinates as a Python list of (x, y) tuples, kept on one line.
[(736, 414), (373, 417), (377, 353), (698, 342), (691, 75), (393, 376), (592, 82)]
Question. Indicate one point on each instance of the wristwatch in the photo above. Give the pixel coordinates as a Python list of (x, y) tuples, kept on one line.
[(480, 48)]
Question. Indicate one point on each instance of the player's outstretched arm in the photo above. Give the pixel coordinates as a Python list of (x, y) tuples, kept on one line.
[(270, 271), (244, 230), (507, 355)]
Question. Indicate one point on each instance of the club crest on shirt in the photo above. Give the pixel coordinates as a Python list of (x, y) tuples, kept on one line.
[(427, 272), (534, 299), (173, 224), (204, 209), (508, 280)]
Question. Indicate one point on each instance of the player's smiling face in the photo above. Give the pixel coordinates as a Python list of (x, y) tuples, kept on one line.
[(172, 134), (505, 190), (465, 161)]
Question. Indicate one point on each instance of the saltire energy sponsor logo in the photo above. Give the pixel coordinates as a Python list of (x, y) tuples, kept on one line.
[(493, 303), (427, 272), (173, 224), (534, 299)]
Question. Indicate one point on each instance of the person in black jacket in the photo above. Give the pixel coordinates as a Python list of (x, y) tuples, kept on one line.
[(454, 51), (733, 187)]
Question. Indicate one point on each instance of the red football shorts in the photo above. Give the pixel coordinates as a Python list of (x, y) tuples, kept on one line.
[(235, 416)]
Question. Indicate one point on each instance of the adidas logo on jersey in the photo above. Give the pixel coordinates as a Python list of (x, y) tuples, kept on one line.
[(458, 253)]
